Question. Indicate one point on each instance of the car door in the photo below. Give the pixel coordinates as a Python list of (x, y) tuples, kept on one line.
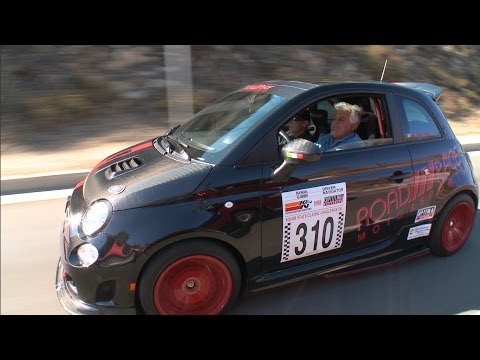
[(437, 160), (347, 204)]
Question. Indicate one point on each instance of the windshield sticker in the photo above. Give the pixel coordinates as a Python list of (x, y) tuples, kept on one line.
[(425, 213), (419, 231), (313, 220), (257, 88)]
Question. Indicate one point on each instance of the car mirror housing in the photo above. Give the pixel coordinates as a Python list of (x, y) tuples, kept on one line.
[(297, 151)]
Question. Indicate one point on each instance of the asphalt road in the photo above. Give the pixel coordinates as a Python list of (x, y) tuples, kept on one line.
[(30, 233), (30, 250), (427, 285)]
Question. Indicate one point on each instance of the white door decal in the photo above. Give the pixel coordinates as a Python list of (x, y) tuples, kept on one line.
[(313, 220)]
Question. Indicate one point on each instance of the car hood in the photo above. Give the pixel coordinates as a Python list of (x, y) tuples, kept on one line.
[(140, 175)]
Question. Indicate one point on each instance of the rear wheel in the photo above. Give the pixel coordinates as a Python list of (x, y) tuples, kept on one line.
[(191, 278), (453, 226)]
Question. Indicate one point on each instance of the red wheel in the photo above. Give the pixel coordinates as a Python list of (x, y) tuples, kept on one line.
[(196, 284), (454, 226), (191, 278)]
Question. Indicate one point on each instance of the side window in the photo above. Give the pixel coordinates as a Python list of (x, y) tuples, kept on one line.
[(314, 121), (328, 107), (419, 123)]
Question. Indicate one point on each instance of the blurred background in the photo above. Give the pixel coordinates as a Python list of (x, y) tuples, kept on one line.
[(59, 98), (65, 108)]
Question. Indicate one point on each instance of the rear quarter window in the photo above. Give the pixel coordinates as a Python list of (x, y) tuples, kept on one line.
[(417, 124)]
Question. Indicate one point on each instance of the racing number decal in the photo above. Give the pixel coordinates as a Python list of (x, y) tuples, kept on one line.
[(313, 220), (325, 243)]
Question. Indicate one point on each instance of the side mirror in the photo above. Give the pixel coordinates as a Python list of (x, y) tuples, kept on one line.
[(297, 151)]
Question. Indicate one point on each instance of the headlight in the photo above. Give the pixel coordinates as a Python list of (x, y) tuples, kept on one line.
[(96, 217), (88, 254)]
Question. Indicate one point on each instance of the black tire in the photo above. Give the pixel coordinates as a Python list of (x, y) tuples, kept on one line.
[(453, 226), (190, 278)]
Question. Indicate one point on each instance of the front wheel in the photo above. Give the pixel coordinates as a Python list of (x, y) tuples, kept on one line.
[(191, 278), (453, 226)]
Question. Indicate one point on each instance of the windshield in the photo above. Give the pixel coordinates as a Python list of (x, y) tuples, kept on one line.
[(212, 132)]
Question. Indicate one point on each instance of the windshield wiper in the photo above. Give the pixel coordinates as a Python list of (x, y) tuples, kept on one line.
[(181, 142), (166, 144), (172, 130), (178, 146)]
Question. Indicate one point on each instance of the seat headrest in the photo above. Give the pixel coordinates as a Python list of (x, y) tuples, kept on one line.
[(318, 115), (368, 127), (319, 118)]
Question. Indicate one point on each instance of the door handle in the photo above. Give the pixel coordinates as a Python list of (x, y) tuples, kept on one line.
[(398, 176)]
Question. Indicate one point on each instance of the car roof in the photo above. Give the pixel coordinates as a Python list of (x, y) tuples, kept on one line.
[(290, 88), (431, 90)]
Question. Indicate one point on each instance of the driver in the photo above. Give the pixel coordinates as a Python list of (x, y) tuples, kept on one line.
[(298, 127)]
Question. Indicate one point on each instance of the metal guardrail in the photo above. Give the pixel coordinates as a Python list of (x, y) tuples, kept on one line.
[(41, 183), (69, 180)]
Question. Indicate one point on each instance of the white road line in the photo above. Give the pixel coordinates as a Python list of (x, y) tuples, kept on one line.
[(35, 196), (470, 312), (468, 139)]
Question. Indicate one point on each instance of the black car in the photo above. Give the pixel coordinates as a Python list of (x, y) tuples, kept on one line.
[(227, 204)]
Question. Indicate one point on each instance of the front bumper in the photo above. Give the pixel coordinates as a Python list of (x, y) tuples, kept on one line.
[(108, 286), (75, 306)]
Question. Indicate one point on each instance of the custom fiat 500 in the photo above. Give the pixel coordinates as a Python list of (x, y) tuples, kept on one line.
[(228, 203)]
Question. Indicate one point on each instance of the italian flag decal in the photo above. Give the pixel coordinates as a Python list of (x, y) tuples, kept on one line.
[(294, 155)]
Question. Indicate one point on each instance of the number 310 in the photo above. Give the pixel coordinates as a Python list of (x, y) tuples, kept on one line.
[(302, 228)]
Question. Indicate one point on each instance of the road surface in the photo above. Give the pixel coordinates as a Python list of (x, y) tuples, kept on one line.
[(30, 230)]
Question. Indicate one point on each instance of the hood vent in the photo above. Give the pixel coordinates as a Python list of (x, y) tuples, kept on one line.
[(123, 167)]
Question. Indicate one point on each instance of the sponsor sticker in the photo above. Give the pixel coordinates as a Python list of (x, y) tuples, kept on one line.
[(419, 231), (313, 220), (425, 213)]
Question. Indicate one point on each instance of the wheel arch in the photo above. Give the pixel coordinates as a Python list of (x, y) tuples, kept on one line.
[(473, 196), (449, 231), (229, 247), (464, 190)]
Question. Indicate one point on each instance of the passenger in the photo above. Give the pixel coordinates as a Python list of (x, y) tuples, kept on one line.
[(298, 128), (343, 127)]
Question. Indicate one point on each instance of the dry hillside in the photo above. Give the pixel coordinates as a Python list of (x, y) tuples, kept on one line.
[(53, 96)]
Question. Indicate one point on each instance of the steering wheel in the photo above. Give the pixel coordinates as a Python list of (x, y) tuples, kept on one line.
[(283, 138)]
